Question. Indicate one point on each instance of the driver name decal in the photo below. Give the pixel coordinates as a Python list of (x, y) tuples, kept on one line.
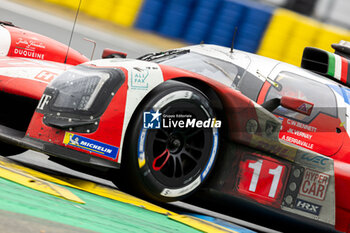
[(298, 142), (90, 145), (301, 125)]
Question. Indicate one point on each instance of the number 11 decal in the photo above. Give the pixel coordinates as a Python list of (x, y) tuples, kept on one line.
[(261, 177), (264, 173), (255, 178), (276, 178)]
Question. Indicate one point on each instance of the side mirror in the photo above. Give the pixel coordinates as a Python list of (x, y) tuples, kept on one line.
[(294, 104), (110, 53), (297, 105)]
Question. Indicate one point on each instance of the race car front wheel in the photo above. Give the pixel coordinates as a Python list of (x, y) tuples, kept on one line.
[(171, 145)]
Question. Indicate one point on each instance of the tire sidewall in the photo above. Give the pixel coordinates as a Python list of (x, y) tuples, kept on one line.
[(142, 173)]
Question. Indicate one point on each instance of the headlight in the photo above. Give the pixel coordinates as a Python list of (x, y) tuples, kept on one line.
[(79, 96), (78, 90)]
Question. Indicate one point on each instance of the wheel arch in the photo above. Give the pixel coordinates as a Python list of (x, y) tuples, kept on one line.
[(213, 96), (205, 88)]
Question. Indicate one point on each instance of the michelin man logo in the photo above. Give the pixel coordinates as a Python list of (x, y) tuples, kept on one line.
[(73, 142), (151, 120)]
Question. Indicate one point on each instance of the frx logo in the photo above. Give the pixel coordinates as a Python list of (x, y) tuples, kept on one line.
[(308, 207), (151, 120)]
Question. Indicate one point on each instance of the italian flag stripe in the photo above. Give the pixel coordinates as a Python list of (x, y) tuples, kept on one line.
[(338, 67), (331, 64), (344, 70)]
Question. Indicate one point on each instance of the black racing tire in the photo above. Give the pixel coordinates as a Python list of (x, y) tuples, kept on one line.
[(8, 150), (169, 164)]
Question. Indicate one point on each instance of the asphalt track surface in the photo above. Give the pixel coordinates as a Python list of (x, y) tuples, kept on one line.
[(59, 29)]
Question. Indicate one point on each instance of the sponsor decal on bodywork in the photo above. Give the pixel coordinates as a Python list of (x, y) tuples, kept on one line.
[(45, 100), (27, 48), (310, 187), (314, 160), (139, 78), (90, 145), (28, 53), (308, 207), (45, 76), (314, 184), (305, 108)]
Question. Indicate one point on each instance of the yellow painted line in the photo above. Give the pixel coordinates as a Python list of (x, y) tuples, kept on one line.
[(11, 164), (87, 186), (115, 194), (38, 184), (200, 224)]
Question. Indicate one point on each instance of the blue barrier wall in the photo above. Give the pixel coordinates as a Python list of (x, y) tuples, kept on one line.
[(150, 14), (211, 21)]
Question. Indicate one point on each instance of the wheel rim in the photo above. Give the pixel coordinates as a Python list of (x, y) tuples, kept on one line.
[(178, 155)]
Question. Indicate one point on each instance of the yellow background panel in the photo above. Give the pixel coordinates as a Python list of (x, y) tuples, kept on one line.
[(289, 33), (101, 9), (126, 12)]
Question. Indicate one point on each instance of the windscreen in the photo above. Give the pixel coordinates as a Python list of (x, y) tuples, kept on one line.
[(219, 70), (297, 86), (228, 73)]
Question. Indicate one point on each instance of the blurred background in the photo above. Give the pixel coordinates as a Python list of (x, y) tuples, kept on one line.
[(279, 29)]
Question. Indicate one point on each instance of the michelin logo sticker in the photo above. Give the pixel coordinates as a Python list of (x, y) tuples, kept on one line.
[(90, 145)]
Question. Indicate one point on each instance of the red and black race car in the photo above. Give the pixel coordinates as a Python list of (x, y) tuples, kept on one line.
[(259, 129)]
